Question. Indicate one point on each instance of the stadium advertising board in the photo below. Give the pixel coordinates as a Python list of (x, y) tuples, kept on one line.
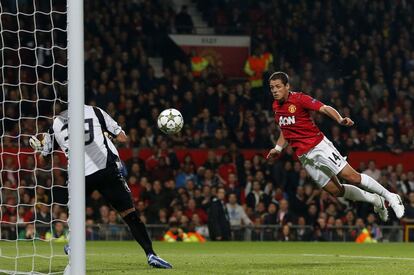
[(228, 52)]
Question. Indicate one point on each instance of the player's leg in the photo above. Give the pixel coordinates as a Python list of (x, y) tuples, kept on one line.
[(350, 175), (328, 181), (354, 193), (139, 231), (116, 191), (323, 163), (329, 159), (351, 192), (137, 228)]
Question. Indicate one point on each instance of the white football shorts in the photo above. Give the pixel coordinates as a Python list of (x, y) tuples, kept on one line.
[(323, 162)]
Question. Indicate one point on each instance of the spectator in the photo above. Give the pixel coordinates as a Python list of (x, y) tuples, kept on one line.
[(183, 21), (25, 214), (285, 234), (303, 233), (206, 125), (200, 228), (155, 197), (29, 233), (339, 234), (237, 216), (192, 209), (186, 174), (409, 210), (104, 214), (113, 227), (42, 217), (270, 219), (162, 171), (373, 171), (373, 228), (58, 233), (284, 215), (218, 218), (312, 214), (256, 196), (321, 230), (91, 230), (177, 234), (211, 162)]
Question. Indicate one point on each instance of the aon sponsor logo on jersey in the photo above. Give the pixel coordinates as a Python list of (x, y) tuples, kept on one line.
[(286, 120)]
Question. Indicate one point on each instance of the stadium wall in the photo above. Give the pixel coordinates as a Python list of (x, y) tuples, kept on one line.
[(199, 156)]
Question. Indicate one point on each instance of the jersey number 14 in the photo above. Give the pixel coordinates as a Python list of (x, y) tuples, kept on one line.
[(335, 159)]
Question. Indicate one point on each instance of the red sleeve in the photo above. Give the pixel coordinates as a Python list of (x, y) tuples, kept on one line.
[(310, 103)]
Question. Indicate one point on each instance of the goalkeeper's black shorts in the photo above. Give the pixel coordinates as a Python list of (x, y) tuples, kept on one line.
[(113, 187)]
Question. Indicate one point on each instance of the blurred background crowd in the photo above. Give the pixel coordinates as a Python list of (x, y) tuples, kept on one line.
[(356, 56)]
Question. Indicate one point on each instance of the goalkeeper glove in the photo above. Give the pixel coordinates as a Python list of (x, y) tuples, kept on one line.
[(35, 144)]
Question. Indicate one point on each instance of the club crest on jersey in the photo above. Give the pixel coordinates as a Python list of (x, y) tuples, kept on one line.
[(286, 120), (292, 108)]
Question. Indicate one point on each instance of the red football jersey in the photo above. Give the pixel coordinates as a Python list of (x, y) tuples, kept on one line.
[(294, 119)]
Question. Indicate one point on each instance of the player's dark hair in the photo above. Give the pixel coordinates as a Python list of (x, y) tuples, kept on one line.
[(281, 76)]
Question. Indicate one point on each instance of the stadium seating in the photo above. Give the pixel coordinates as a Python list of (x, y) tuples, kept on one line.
[(364, 70)]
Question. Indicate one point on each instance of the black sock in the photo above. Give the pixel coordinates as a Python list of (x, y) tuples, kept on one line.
[(139, 232)]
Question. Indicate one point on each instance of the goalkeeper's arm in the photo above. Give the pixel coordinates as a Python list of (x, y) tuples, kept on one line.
[(122, 137), (113, 128)]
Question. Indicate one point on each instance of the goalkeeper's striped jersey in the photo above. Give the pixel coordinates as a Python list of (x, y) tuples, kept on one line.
[(99, 149)]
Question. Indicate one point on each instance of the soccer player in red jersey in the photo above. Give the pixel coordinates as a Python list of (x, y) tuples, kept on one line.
[(317, 154)]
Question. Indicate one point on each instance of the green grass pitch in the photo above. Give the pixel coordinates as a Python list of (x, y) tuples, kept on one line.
[(227, 258)]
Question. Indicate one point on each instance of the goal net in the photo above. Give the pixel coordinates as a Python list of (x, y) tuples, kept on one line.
[(33, 195)]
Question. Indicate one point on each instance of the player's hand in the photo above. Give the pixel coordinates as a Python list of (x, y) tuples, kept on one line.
[(122, 137), (108, 136), (272, 153), (35, 144), (346, 121)]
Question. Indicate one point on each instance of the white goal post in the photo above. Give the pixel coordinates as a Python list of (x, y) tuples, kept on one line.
[(76, 137), (41, 66)]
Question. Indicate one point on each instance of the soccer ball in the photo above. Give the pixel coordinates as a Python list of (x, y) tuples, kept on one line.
[(170, 121)]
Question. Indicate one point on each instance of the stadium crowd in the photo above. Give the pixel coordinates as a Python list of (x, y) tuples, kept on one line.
[(359, 60)]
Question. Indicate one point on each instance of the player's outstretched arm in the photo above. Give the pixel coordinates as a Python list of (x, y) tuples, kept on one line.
[(281, 144), (333, 113)]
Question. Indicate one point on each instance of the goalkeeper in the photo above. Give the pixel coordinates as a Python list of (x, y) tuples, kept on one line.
[(102, 168)]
